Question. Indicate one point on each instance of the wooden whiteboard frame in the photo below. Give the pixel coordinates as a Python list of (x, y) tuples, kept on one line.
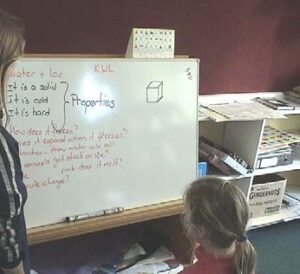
[(64, 230)]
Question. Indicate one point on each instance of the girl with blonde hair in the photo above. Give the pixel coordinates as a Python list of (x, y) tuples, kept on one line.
[(215, 218)]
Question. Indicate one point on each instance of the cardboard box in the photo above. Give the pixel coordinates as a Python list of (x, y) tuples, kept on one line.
[(266, 195)]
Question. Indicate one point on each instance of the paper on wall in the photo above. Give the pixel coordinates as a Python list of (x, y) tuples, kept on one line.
[(151, 43)]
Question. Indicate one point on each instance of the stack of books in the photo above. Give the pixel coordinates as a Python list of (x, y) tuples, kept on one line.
[(227, 161), (275, 148)]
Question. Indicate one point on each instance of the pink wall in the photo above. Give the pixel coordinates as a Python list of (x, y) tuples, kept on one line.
[(243, 45)]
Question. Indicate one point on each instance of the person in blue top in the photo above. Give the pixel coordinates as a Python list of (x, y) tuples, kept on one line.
[(13, 238)]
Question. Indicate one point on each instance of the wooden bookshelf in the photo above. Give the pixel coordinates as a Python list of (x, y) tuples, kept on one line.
[(244, 137)]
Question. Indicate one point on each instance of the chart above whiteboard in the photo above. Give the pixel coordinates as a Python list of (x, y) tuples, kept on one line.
[(151, 43)]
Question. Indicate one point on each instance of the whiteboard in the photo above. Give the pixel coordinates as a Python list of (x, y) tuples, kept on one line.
[(100, 133)]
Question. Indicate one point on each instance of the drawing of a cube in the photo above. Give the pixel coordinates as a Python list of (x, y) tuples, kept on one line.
[(154, 92)]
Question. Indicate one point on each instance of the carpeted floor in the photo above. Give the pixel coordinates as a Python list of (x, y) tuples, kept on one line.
[(278, 248)]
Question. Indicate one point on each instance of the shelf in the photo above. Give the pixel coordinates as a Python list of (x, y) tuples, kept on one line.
[(230, 98), (218, 173), (231, 176), (284, 216), (64, 230), (244, 137)]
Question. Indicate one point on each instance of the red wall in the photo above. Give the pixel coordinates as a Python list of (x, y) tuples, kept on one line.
[(243, 45)]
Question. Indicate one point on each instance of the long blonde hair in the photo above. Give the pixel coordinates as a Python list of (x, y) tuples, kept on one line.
[(221, 209), (11, 47)]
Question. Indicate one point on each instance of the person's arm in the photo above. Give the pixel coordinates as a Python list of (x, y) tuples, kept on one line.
[(16, 270), (10, 208), (10, 260)]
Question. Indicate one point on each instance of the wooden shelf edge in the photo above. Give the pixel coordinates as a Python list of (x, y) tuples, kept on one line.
[(87, 55), (65, 230)]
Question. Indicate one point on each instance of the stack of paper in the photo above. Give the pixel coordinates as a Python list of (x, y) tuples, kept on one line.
[(276, 148), (136, 260), (239, 111), (274, 139), (162, 261)]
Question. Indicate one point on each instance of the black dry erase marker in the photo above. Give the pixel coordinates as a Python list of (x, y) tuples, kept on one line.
[(113, 210), (77, 217), (104, 212)]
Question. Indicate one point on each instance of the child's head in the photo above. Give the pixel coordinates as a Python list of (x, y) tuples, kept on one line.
[(216, 212), (11, 45)]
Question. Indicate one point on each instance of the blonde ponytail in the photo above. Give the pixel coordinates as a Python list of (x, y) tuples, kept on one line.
[(220, 209), (244, 261)]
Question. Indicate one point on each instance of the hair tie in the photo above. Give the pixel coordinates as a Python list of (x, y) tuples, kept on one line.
[(242, 238)]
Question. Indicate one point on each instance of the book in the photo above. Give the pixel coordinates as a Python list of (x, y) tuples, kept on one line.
[(275, 103), (215, 161), (279, 157), (222, 158), (274, 139)]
